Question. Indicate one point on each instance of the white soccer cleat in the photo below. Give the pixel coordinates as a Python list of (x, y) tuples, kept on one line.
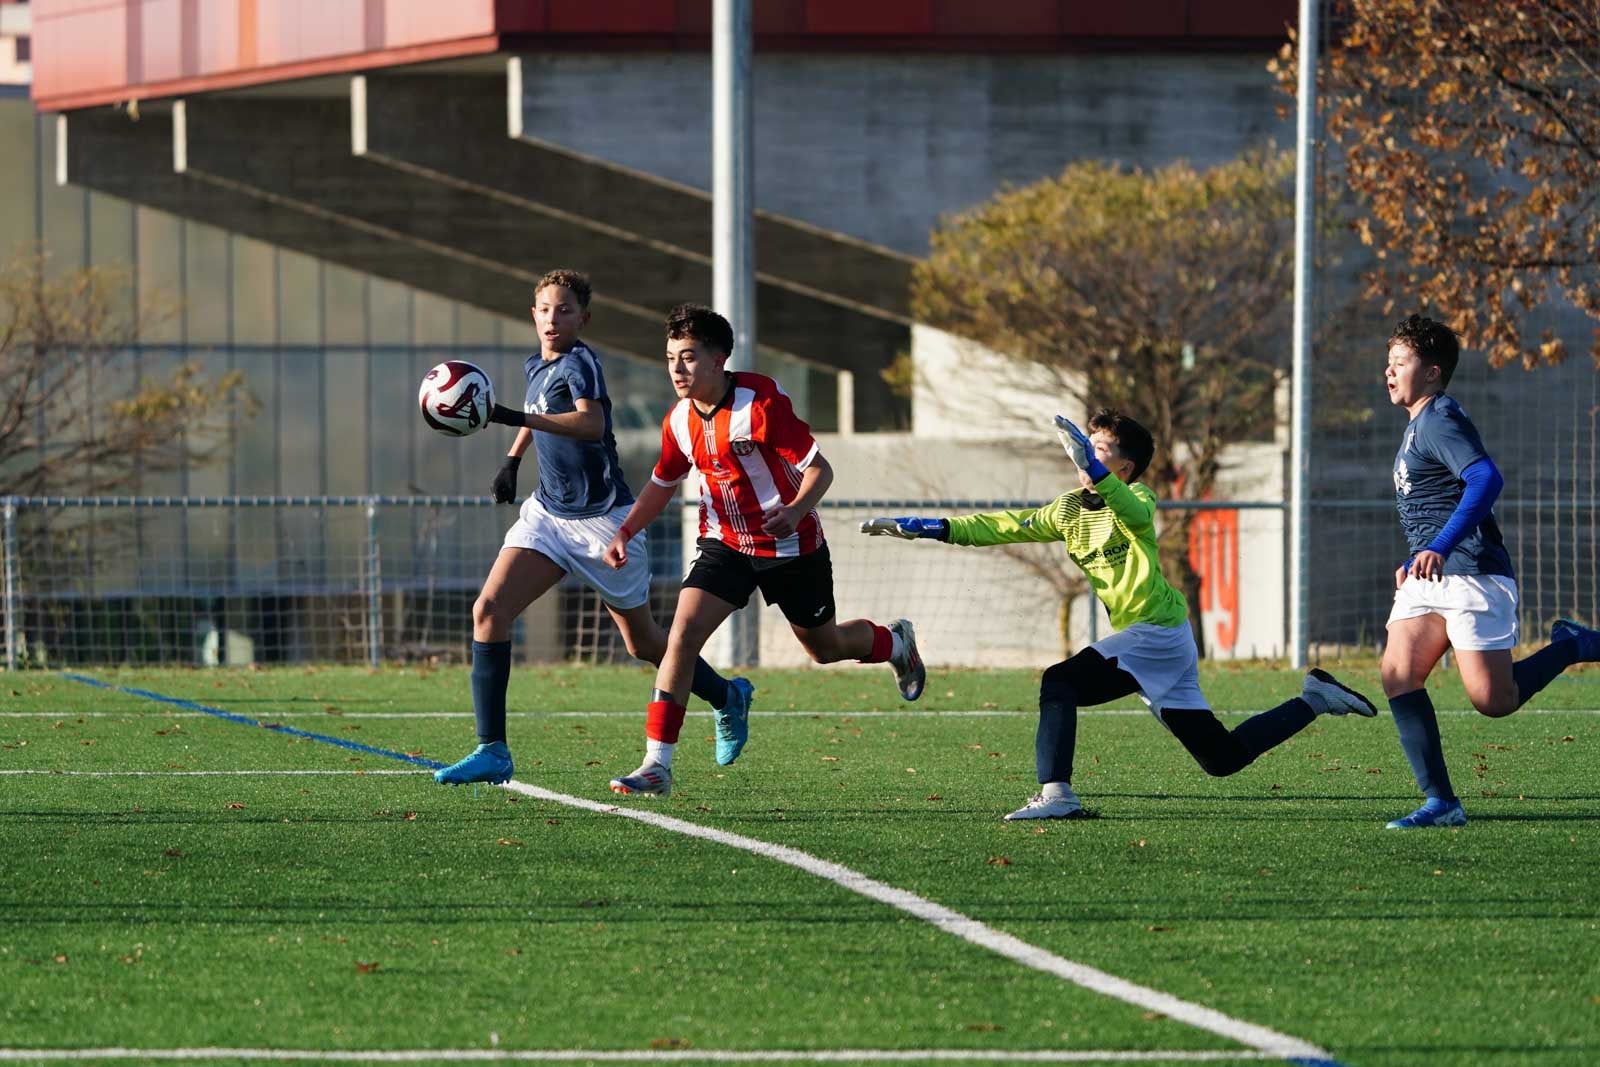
[(909, 673), (651, 780), (1040, 806), (1329, 696)]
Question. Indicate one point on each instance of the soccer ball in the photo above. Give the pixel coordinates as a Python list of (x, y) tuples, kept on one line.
[(456, 398)]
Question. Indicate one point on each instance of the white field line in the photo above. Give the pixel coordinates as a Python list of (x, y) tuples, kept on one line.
[(473, 1055), (353, 773), (973, 713), (953, 922)]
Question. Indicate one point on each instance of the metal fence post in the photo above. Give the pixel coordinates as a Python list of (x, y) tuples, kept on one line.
[(374, 571), (12, 568)]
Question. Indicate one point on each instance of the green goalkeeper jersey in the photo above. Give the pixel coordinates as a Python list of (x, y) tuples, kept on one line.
[(1115, 545)]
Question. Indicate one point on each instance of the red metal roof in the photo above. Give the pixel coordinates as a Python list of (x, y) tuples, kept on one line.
[(89, 52)]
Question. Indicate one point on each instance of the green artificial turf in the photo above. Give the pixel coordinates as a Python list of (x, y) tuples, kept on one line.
[(364, 910)]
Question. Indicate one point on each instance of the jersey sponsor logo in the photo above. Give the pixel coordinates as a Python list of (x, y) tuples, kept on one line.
[(743, 446)]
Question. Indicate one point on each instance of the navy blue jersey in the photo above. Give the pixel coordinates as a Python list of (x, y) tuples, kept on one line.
[(577, 479), (1439, 444)]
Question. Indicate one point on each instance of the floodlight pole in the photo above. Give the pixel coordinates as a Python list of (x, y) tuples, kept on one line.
[(1300, 396), (733, 272)]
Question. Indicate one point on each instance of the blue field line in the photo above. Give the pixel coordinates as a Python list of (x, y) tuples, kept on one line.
[(245, 720)]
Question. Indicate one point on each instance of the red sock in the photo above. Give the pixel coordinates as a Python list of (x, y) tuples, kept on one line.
[(882, 645), (662, 721)]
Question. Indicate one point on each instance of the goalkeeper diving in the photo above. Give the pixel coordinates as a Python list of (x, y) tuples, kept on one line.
[(1108, 528)]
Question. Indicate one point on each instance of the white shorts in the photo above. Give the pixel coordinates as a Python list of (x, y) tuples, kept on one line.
[(1479, 610), (1163, 660), (578, 546)]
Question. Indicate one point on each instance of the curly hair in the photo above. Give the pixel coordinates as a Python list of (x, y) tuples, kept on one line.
[(702, 324), (1432, 341), (1133, 440), (575, 280)]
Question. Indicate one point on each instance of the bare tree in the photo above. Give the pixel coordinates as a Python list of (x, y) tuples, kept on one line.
[(73, 416)]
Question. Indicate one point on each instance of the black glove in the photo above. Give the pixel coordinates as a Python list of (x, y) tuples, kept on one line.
[(506, 416), (505, 481)]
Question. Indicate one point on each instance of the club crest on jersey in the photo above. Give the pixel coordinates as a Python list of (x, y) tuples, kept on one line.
[(743, 446)]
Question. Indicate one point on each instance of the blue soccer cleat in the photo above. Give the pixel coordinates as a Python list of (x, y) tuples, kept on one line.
[(487, 763), (1435, 812), (1588, 640), (733, 721)]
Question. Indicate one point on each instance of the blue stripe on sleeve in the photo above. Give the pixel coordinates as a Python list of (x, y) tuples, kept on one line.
[(1477, 500)]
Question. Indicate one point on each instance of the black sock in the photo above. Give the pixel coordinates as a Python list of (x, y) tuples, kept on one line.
[(1419, 739), (1540, 669), (1273, 727), (708, 685), (1057, 737), (491, 672)]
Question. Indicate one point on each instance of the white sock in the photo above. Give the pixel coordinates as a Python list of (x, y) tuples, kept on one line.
[(1057, 791), (658, 752)]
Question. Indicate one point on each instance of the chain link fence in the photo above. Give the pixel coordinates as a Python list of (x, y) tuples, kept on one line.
[(232, 581)]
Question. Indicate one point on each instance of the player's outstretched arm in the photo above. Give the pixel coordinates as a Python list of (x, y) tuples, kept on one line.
[(652, 501), (586, 423), (908, 528)]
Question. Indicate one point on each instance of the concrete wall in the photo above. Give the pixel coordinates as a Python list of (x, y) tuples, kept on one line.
[(880, 146)]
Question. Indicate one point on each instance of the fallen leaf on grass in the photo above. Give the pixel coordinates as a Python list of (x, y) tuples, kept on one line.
[(830, 759), (411, 816), (175, 853), (669, 1042), (1159, 929), (234, 805), (366, 968), (508, 842), (985, 1028), (935, 796), (998, 861)]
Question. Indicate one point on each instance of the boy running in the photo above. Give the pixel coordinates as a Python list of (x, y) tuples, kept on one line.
[(760, 476), (1457, 589), (1108, 526), (564, 526)]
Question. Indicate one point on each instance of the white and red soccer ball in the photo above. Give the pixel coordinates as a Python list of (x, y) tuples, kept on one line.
[(456, 397)]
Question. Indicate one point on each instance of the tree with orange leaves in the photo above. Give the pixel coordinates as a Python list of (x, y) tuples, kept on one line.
[(1470, 132)]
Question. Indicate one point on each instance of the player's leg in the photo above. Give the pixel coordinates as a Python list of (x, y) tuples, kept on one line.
[(625, 591), (1086, 679), (719, 583), (1415, 644), (803, 591), (518, 577), (729, 697), (1221, 752)]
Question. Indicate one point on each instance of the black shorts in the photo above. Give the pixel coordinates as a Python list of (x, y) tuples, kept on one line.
[(801, 586)]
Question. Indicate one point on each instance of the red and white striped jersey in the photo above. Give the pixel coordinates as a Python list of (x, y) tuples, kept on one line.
[(747, 460)]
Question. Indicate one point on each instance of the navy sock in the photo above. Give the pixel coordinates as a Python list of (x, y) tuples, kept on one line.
[(708, 685), (491, 673), (1057, 738), (1419, 739), (1540, 669)]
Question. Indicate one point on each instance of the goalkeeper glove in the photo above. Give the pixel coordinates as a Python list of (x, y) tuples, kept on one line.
[(1076, 442), (908, 528), (505, 481), (507, 416)]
